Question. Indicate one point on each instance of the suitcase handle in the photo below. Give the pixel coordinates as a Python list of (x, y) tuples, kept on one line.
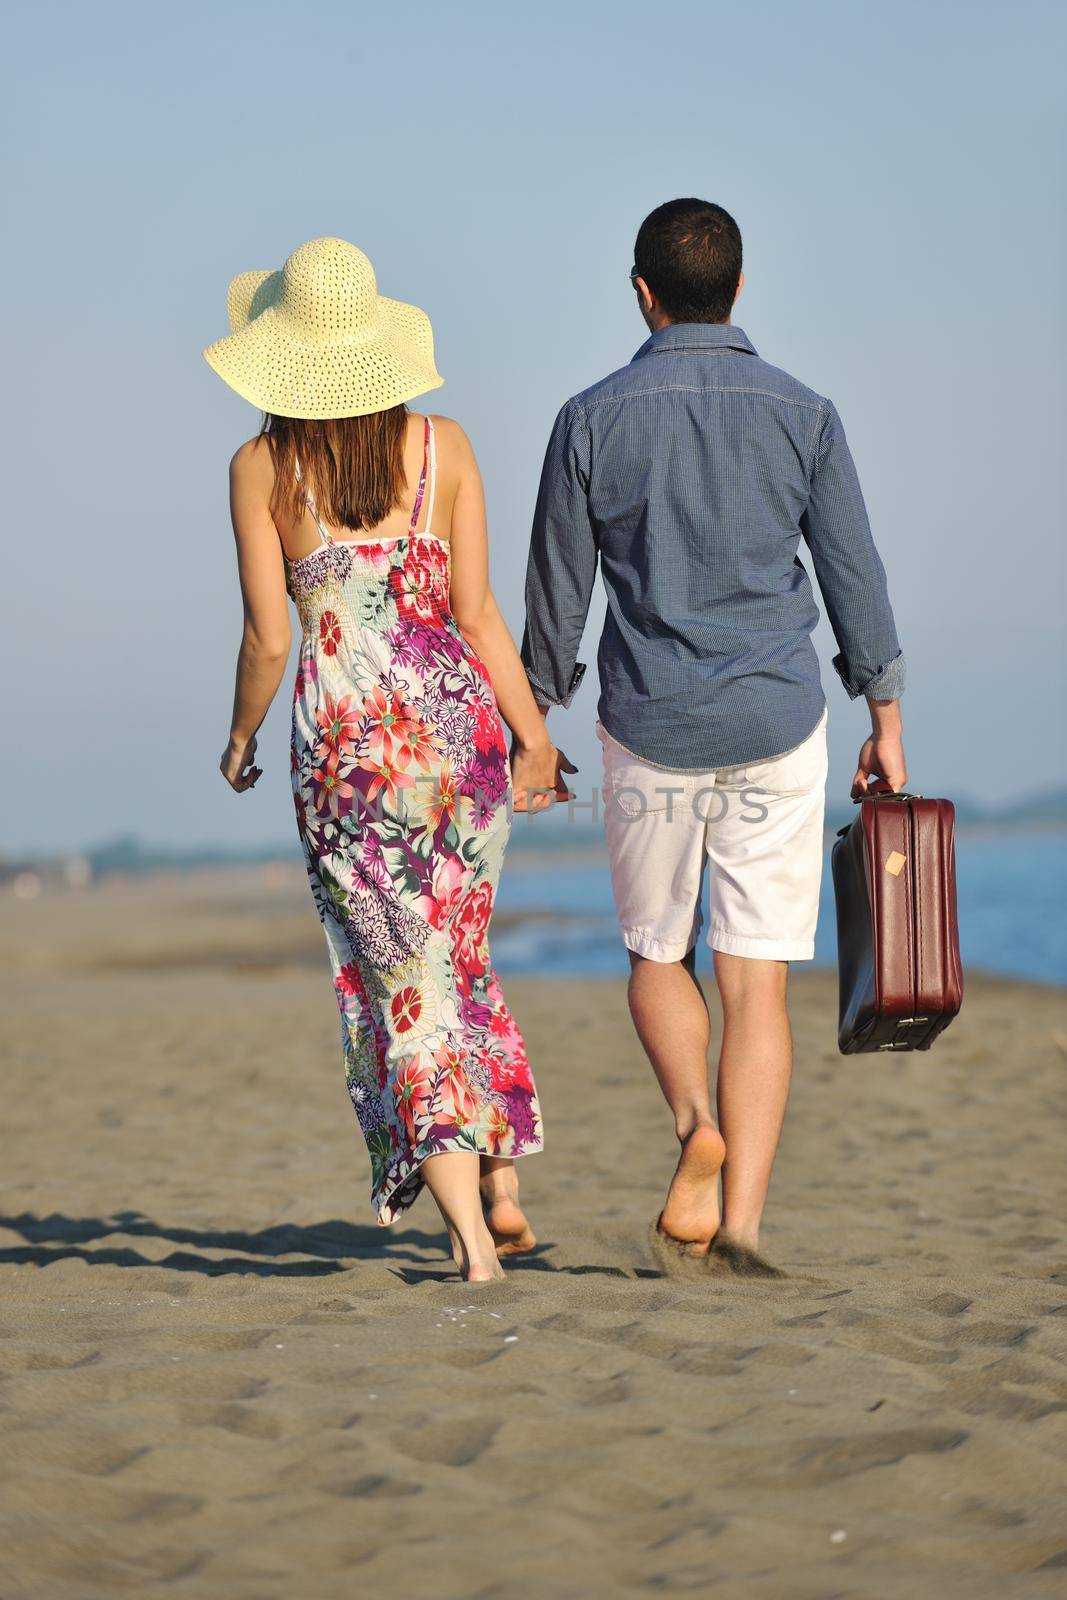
[(880, 794), (903, 794)]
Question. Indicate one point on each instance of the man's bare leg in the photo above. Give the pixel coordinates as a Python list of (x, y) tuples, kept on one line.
[(755, 1065), (671, 1018)]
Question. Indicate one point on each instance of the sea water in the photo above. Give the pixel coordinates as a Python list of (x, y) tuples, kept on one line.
[(556, 915)]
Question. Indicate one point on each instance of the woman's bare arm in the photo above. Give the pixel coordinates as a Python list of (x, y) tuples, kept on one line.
[(265, 641), (535, 762)]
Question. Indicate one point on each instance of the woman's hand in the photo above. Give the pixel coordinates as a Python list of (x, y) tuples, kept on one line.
[(265, 637), (535, 767), (238, 764)]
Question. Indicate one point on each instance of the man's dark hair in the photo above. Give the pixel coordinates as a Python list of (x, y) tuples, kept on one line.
[(689, 254)]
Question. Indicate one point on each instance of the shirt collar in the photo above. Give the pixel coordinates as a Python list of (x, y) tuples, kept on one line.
[(696, 336)]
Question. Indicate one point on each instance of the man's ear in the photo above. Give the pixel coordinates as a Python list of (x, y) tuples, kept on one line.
[(644, 296), (740, 286)]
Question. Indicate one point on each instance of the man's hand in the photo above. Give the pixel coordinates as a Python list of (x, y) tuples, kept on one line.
[(881, 768), (540, 766)]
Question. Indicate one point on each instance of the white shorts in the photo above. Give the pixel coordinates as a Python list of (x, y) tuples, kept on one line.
[(760, 826)]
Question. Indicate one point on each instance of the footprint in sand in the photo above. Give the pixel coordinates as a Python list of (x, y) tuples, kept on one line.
[(179, 1382), (616, 1391), (234, 1417), (698, 1578), (973, 1509), (810, 1463), (75, 1500), (372, 1486), (807, 1320), (453, 1444), (49, 1360), (86, 1560), (985, 1393), (1002, 1333), (949, 1305), (864, 1330), (461, 1360), (709, 1360), (96, 1457), (226, 1338), (143, 1506)]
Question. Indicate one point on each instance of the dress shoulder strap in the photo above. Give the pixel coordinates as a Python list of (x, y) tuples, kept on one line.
[(433, 475), (309, 502), (427, 446)]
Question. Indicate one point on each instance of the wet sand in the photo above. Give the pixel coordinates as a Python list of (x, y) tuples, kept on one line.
[(220, 1380)]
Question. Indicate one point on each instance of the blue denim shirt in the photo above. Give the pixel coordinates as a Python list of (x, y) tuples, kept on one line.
[(692, 475)]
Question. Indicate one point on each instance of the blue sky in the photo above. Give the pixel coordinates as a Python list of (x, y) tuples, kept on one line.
[(897, 173)]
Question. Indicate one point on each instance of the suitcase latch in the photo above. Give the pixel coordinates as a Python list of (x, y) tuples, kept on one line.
[(899, 1041)]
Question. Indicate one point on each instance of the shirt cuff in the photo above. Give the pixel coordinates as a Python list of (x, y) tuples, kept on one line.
[(885, 684), (545, 698)]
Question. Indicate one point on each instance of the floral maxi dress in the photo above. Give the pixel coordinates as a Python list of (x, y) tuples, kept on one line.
[(401, 782)]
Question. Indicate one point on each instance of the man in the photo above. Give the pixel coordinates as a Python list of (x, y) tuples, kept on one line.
[(691, 475)]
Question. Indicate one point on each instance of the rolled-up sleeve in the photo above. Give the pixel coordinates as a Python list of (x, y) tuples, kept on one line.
[(562, 564), (850, 572)]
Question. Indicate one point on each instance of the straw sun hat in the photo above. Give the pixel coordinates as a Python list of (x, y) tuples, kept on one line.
[(317, 340)]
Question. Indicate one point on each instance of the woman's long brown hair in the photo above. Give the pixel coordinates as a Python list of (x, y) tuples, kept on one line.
[(354, 466)]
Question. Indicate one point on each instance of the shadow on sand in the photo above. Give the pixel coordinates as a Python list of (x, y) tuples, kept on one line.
[(334, 1246)]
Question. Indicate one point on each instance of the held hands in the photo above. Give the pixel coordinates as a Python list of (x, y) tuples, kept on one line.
[(238, 764), (539, 767)]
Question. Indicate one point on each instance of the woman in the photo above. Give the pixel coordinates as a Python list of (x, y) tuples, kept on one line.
[(373, 521)]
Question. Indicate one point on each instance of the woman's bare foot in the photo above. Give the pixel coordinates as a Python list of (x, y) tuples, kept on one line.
[(691, 1213), (504, 1216), (452, 1177), (479, 1263), (511, 1232), (483, 1264)]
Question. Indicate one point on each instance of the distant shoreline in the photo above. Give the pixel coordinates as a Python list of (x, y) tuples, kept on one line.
[(555, 920), (527, 849)]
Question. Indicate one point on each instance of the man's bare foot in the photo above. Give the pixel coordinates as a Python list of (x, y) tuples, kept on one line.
[(504, 1216), (733, 1255), (691, 1214)]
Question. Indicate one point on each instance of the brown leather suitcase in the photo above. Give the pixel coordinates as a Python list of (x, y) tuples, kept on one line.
[(898, 955)]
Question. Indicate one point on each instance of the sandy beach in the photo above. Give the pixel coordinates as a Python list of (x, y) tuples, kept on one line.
[(221, 1380)]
